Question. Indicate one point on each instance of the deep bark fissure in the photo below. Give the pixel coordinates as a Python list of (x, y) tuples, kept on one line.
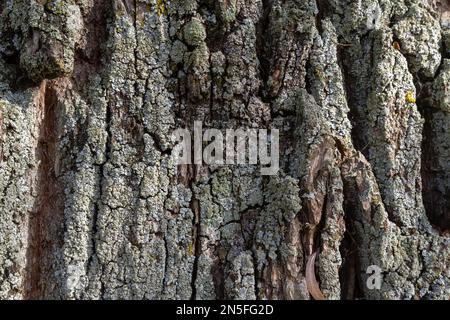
[(349, 270), (436, 202), (46, 218), (358, 136), (262, 49), (218, 274), (323, 8), (196, 245), (90, 59)]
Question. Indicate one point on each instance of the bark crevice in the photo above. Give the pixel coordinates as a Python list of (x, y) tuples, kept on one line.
[(46, 218)]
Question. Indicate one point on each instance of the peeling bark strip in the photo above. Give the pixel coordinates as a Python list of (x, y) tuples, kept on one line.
[(93, 207), (311, 281)]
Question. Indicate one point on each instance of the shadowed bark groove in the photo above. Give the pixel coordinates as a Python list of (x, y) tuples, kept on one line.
[(46, 216)]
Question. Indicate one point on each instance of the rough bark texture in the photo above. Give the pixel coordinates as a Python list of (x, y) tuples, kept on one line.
[(92, 206)]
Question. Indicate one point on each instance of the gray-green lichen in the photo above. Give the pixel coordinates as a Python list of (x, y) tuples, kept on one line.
[(20, 119), (45, 35), (194, 32), (420, 39)]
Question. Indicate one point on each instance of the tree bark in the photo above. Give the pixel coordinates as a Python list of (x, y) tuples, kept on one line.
[(93, 207)]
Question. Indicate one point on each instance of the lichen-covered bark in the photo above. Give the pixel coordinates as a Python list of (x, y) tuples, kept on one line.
[(93, 207)]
